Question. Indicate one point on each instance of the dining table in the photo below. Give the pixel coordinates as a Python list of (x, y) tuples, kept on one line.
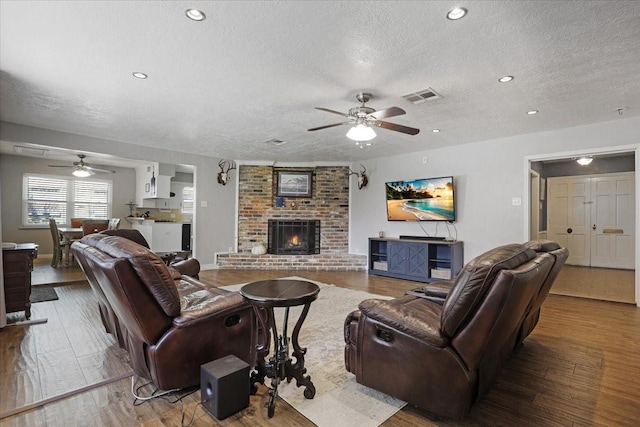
[(68, 235)]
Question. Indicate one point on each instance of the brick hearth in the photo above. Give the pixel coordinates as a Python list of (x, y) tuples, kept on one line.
[(329, 204)]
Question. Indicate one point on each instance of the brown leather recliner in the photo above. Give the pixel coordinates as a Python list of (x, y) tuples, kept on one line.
[(174, 259), (443, 356), (170, 324)]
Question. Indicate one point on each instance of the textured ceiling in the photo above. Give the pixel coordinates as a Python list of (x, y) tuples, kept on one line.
[(254, 71)]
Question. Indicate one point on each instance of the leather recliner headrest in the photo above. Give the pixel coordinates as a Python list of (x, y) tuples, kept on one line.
[(475, 279)]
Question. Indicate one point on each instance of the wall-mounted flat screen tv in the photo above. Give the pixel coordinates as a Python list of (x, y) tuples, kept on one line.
[(429, 199)]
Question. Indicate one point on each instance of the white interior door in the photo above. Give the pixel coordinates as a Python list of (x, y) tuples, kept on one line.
[(613, 227), (593, 217), (568, 217)]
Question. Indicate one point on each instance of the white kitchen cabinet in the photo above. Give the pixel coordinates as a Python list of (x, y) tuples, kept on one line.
[(161, 236), (175, 202), (153, 181), (166, 237), (163, 203)]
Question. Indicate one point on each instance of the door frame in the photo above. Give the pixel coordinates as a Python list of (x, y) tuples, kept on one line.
[(635, 149)]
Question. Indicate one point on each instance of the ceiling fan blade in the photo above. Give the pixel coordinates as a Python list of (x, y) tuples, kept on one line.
[(96, 169), (397, 127), (329, 126), (389, 112), (60, 166), (332, 111)]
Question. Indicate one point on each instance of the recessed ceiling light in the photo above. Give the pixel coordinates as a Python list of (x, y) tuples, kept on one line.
[(505, 79), (139, 75), (457, 13), (532, 112), (195, 14), (435, 130)]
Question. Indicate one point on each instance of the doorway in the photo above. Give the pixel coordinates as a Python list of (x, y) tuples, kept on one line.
[(593, 217), (555, 166)]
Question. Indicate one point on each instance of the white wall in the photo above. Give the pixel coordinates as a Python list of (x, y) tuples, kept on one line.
[(214, 225), (487, 175)]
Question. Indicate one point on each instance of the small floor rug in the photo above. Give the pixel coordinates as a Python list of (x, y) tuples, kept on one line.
[(339, 400), (41, 294)]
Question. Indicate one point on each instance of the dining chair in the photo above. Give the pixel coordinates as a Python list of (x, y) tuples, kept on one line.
[(114, 224), (58, 244), (90, 226)]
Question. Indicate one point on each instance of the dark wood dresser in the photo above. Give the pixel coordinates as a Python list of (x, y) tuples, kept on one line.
[(17, 265)]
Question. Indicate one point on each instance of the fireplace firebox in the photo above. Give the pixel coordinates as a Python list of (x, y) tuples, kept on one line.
[(294, 237)]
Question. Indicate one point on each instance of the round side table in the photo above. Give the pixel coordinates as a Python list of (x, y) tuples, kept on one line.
[(264, 296)]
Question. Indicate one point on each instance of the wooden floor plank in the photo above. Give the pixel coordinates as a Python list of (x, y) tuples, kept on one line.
[(575, 369)]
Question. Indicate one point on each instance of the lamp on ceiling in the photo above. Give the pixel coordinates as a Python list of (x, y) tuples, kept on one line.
[(584, 160), (361, 132), (81, 172)]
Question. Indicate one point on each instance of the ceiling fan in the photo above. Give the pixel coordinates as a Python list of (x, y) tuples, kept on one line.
[(82, 169), (363, 119)]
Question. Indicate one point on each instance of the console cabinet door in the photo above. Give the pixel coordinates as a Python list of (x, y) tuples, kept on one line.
[(417, 264), (398, 254), (408, 259)]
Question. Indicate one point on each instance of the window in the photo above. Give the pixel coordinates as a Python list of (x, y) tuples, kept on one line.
[(187, 200), (62, 198)]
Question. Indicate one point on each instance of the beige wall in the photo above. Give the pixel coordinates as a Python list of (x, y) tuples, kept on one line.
[(12, 169)]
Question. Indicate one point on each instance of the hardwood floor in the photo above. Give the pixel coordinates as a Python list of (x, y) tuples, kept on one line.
[(580, 367)]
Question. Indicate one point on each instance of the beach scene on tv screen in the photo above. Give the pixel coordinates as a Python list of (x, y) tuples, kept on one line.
[(420, 200)]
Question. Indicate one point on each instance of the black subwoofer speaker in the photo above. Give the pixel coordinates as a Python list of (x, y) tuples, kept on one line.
[(224, 386)]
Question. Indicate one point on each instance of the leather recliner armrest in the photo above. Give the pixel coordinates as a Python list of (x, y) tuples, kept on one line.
[(435, 291), (204, 304), (188, 267), (416, 317)]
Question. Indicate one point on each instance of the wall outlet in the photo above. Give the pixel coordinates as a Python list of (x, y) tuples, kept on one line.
[(230, 249), (424, 159), (173, 215), (203, 204), (516, 201)]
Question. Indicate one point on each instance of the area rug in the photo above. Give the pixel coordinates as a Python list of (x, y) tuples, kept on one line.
[(339, 400), (41, 294)]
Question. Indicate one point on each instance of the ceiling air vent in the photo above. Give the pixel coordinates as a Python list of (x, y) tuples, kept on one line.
[(274, 141), (423, 96), (30, 151)]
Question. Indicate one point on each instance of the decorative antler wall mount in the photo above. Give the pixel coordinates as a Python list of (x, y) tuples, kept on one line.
[(363, 180), (225, 167)]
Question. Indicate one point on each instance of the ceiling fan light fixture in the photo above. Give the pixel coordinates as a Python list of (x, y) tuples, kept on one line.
[(584, 160), (457, 13), (140, 75), (195, 14), (81, 173), (361, 132)]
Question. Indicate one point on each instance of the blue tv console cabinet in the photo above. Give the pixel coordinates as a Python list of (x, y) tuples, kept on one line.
[(419, 260)]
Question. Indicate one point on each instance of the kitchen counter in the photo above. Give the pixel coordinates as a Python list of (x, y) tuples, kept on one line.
[(161, 236)]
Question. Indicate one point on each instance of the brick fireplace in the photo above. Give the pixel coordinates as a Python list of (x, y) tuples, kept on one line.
[(329, 204)]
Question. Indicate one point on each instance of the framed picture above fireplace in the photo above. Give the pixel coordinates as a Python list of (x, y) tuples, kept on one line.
[(294, 183)]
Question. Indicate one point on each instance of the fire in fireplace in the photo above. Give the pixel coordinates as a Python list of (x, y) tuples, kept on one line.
[(294, 237)]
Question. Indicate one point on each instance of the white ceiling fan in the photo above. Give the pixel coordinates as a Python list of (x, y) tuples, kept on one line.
[(363, 119), (82, 169)]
